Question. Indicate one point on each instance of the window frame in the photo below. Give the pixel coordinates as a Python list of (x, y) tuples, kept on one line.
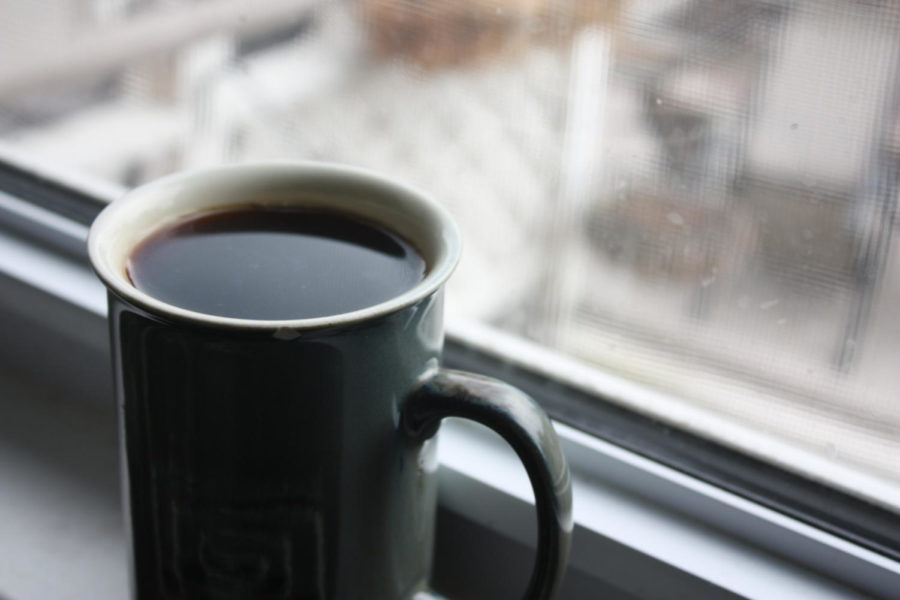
[(629, 470)]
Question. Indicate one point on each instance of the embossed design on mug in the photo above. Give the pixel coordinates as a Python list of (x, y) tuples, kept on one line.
[(265, 552)]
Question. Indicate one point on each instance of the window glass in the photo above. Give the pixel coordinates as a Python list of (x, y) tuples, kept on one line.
[(697, 195)]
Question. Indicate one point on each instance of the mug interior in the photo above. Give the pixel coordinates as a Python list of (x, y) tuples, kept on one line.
[(413, 215)]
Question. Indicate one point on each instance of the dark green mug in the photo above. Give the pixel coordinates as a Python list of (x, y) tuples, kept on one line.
[(296, 459)]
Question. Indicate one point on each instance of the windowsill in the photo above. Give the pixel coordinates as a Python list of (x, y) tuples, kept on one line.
[(59, 514), (621, 534), (61, 533)]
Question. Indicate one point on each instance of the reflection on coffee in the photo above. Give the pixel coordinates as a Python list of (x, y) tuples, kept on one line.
[(274, 263)]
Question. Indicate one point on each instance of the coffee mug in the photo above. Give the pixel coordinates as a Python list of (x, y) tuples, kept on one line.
[(295, 459)]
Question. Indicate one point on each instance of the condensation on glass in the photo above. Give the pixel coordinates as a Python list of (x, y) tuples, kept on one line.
[(698, 195)]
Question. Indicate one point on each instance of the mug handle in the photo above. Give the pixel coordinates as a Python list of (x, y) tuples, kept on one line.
[(525, 426)]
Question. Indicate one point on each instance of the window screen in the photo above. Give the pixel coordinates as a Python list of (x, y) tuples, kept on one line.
[(696, 195)]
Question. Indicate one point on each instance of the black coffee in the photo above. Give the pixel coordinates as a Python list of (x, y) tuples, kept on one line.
[(274, 263)]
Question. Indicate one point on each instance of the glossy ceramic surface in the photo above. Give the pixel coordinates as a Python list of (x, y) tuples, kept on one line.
[(261, 468)]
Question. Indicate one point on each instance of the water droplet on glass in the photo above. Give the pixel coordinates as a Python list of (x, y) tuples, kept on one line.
[(769, 304), (675, 219)]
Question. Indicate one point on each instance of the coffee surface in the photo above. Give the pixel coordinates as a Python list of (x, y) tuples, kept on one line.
[(272, 263)]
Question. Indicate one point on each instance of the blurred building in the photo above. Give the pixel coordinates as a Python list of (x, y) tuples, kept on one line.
[(699, 194)]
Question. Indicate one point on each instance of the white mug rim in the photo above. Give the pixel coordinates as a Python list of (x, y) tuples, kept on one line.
[(446, 242)]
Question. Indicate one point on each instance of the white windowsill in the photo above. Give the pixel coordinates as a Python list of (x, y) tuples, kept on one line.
[(59, 512)]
